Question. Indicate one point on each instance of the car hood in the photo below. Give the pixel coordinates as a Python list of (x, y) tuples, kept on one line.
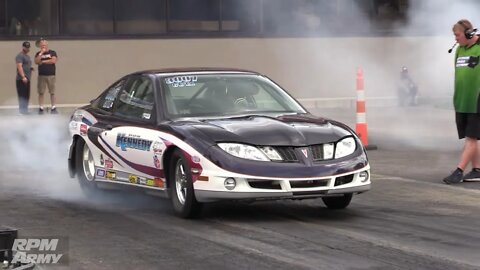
[(291, 130)]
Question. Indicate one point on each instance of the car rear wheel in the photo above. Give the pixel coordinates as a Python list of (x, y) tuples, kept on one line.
[(181, 187), (85, 168), (339, 202)]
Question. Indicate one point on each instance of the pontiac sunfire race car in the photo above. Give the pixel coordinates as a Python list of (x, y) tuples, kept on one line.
[(204, 135)]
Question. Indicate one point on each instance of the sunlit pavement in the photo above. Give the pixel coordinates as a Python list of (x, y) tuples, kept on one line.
[(409, 220)]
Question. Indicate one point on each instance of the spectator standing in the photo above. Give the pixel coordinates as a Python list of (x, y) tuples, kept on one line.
[(46, 60), (466, 101), (24, 74)]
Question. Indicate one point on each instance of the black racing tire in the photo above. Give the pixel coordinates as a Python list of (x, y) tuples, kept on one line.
[(339, 202), (85, 168), (182, 193)]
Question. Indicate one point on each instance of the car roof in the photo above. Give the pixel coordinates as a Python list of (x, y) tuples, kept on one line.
[(170, 71)]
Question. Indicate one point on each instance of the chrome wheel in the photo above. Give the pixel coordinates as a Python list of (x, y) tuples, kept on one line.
[(180, 182), (88, 164), (182, 192)]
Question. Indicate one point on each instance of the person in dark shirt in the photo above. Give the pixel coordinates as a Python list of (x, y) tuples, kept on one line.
[(46, 60), (24, 74)]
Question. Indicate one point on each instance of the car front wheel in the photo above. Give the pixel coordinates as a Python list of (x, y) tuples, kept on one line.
[(339, 202), (181, 186), (85, 168)]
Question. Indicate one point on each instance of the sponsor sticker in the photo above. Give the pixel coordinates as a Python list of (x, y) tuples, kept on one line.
[(150, 182), (111, 175), (181, 81), (101, 173), (157, 147), (142, 180), (108, 104), (133, 179), (156, 162), (108, 163), (83, 129), (159, 182), (132, 141)]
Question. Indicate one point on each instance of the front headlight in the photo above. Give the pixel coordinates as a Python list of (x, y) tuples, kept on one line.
[(271, 153), (345, 147), (243, 151)]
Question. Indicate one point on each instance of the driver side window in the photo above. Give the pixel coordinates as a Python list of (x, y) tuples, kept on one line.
[(107, 99), (136, 100)]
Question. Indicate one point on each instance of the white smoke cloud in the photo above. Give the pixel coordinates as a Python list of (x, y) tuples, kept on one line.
[(34, 163), (35, 149)]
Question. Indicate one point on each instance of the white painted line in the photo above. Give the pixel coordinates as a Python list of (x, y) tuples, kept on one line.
[(440, 183)]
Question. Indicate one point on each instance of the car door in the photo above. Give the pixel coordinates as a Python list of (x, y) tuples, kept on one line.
[(97, 120), (133, 141)]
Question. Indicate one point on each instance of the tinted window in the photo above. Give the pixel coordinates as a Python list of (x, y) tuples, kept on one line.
[(107, 99), (140, 16), (31, 17), (3, 19), (136, 99), (194, 15), (243, 16), (92, 17)]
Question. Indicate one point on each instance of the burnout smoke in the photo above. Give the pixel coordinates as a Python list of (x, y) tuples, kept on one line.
[(419, 39), (36, 147)]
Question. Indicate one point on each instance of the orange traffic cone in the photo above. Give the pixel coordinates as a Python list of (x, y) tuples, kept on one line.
[(361, 126)]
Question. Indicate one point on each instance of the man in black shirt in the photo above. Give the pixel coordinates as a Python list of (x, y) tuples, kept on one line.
[(46, 60)]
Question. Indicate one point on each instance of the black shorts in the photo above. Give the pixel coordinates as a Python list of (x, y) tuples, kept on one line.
[(468, 125)]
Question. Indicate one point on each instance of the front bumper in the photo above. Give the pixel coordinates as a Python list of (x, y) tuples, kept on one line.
[(263, 188)]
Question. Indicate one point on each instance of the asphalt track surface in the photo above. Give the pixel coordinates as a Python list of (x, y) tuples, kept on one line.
[(409, 220)]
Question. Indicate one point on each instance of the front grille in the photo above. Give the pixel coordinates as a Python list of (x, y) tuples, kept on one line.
[(342, 180), (308, 183), (264, 184), (310, 193), (317, 152), (287, 154)]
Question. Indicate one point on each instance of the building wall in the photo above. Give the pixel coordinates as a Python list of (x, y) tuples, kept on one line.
[(307, 67)]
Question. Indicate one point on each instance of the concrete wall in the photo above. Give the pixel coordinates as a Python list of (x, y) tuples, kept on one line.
[(308, 67)]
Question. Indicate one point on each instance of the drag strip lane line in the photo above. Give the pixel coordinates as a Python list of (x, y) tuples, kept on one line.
[(377, 177)]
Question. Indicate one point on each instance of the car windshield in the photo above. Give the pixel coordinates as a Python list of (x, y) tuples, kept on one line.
[(196, 95)]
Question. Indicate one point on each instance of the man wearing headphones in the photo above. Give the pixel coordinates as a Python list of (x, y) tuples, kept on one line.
[(466, 100)]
